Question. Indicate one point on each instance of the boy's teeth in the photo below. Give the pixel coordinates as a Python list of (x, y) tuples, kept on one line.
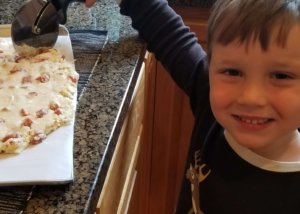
[(253, 121)]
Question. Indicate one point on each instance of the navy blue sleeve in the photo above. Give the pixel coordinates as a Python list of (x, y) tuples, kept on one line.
[(172, 44)]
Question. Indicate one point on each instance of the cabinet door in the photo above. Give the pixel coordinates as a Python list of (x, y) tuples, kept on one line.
[(172, 127), (140, 202)]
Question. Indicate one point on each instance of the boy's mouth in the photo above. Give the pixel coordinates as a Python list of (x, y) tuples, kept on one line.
[(253, 120)]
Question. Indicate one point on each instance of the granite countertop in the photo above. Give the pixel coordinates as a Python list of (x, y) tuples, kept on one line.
[(101, 108)]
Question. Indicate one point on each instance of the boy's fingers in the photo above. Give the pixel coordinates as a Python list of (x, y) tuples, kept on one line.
[(89, 3)]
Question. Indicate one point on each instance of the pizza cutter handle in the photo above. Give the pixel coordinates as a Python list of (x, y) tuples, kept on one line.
[(62, 6)]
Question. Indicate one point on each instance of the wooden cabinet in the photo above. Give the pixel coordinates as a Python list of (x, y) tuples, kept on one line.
[(172, 123), (121, 176)]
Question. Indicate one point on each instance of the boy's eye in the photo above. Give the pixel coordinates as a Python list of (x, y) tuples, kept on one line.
[(232, 72), (281, 76)]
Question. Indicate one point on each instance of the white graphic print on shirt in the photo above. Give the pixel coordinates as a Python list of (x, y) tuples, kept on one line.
[(196, 175)]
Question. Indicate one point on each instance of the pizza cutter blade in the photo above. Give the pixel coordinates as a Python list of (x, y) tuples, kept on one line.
[(36, 24)]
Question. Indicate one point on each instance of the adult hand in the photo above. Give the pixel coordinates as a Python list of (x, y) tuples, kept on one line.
[(89, 3)]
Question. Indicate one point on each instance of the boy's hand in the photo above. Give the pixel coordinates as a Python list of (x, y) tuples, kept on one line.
[(89, 3)]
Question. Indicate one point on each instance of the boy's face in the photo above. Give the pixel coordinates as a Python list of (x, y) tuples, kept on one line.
[(255, 95)]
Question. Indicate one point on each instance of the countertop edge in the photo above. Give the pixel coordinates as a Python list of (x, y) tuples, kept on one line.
[(112, 142)]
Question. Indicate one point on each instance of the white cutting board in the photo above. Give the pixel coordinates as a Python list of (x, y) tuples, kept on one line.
[(50, 162)]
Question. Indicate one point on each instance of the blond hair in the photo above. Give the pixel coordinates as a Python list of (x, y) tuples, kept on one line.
[(252, 20)]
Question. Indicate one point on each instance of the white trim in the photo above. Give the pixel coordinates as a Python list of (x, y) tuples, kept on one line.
[(259, 161)]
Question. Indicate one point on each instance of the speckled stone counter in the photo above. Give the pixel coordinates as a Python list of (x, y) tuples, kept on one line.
[(101, 108)]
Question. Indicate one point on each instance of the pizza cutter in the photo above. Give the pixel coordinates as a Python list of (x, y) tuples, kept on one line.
[(36, 23)]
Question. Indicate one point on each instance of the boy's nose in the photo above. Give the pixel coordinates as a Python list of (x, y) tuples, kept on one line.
[(252, 94)]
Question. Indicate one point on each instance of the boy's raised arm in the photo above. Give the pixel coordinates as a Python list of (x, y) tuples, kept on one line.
[(168, 38)]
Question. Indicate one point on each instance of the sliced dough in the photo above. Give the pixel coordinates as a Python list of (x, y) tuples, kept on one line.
[(38, 95)]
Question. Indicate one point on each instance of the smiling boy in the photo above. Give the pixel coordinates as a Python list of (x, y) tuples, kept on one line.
[(255, 82), (255, 95), (244, 154)]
